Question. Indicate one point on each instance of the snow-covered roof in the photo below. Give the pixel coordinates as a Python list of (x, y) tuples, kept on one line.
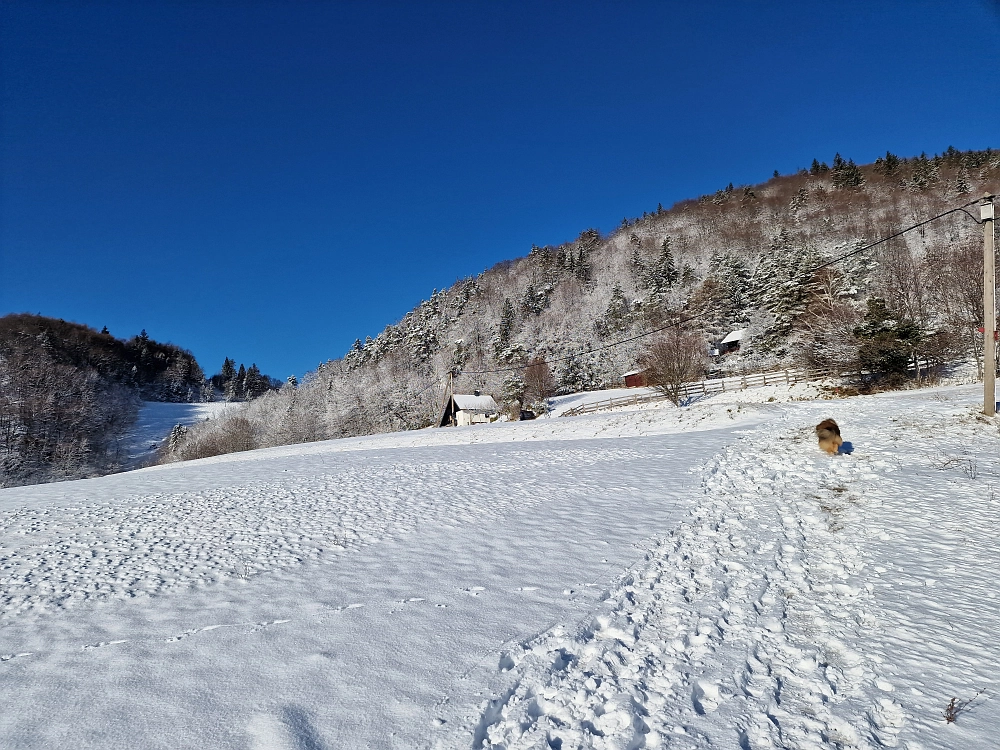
[(475, 403), (735, 336), (634, 372)]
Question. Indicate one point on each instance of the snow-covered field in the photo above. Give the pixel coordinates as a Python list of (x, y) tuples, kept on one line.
[(655, 577)]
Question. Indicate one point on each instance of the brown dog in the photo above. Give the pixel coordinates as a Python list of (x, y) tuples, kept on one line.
[(829, 436)]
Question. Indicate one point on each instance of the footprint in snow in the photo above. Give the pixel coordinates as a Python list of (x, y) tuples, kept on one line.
[(101, 644), (8, 657)]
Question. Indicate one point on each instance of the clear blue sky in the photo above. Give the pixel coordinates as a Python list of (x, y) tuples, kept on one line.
[(269, 181)]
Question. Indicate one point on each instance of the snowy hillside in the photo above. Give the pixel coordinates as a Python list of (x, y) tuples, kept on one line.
[(757, 259), (154, 422), (697, 578)]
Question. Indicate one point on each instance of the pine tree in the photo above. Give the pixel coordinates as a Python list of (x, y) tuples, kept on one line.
[(254, 384), (576, 376), (924, 173), (534, 300), (512, 389), (228, 370), (887, 341), (662, 274), (781, 284), (236, 390), (887, 165), (730, 277), (582, 266), (846, 173), (176, 438), (618, 318), (505, 332), (818, 168), (962, 185)]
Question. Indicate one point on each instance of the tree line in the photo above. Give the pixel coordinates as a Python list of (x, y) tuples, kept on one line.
[(69, 394)]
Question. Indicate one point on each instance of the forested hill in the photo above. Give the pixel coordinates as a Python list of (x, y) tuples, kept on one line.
[(68, 394), (159, 372), (740, 258)]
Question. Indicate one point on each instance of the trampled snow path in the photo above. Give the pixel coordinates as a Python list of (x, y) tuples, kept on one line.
[(769, 619)]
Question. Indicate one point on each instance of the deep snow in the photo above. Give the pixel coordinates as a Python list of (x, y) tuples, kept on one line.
[(701, 577)]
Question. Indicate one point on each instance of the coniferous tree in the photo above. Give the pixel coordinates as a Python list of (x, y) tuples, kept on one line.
[(254, 384), (228, 370), (582, 266), (818, 168), (887, 341), (782, 282), (575, 376), (845, 173), (619, 316), (503, 348), (924, 173), (235, 390), (663, 273), (887, 165)]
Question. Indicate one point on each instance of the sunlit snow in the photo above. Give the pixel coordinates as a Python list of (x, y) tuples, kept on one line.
[(653, 577)]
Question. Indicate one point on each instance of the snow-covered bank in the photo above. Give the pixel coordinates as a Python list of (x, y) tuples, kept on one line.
[(156, 419), (702, 577)]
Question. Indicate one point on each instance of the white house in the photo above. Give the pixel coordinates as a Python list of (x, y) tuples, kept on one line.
[(463, 409)]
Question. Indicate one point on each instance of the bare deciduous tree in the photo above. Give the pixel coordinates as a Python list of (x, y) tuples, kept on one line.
[(539, 383), (675, 358)]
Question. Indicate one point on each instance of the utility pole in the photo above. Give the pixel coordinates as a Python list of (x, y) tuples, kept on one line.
[(989, 311)]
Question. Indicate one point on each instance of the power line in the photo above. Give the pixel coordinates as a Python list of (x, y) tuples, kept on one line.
[(696, 316)]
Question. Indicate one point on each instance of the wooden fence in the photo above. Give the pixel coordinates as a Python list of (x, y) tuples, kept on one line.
[(705, 388)]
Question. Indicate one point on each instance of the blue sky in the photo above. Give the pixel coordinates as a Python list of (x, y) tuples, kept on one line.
[(269, 181)]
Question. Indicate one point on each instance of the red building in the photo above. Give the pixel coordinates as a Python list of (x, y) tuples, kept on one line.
[(635, 379)]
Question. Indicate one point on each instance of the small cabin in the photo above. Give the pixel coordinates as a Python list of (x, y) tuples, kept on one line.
[(463, 409), (731, 343), (635, 379)]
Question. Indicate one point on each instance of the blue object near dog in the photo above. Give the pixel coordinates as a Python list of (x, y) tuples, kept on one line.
[(845, 448)]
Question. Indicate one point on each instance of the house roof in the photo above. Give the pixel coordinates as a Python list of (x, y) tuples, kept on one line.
[(634, 372), (475, 403), (735, 336)]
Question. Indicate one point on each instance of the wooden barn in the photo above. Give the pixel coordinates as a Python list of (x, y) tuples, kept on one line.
[(731, 343), (462, 409), (635, 379)]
